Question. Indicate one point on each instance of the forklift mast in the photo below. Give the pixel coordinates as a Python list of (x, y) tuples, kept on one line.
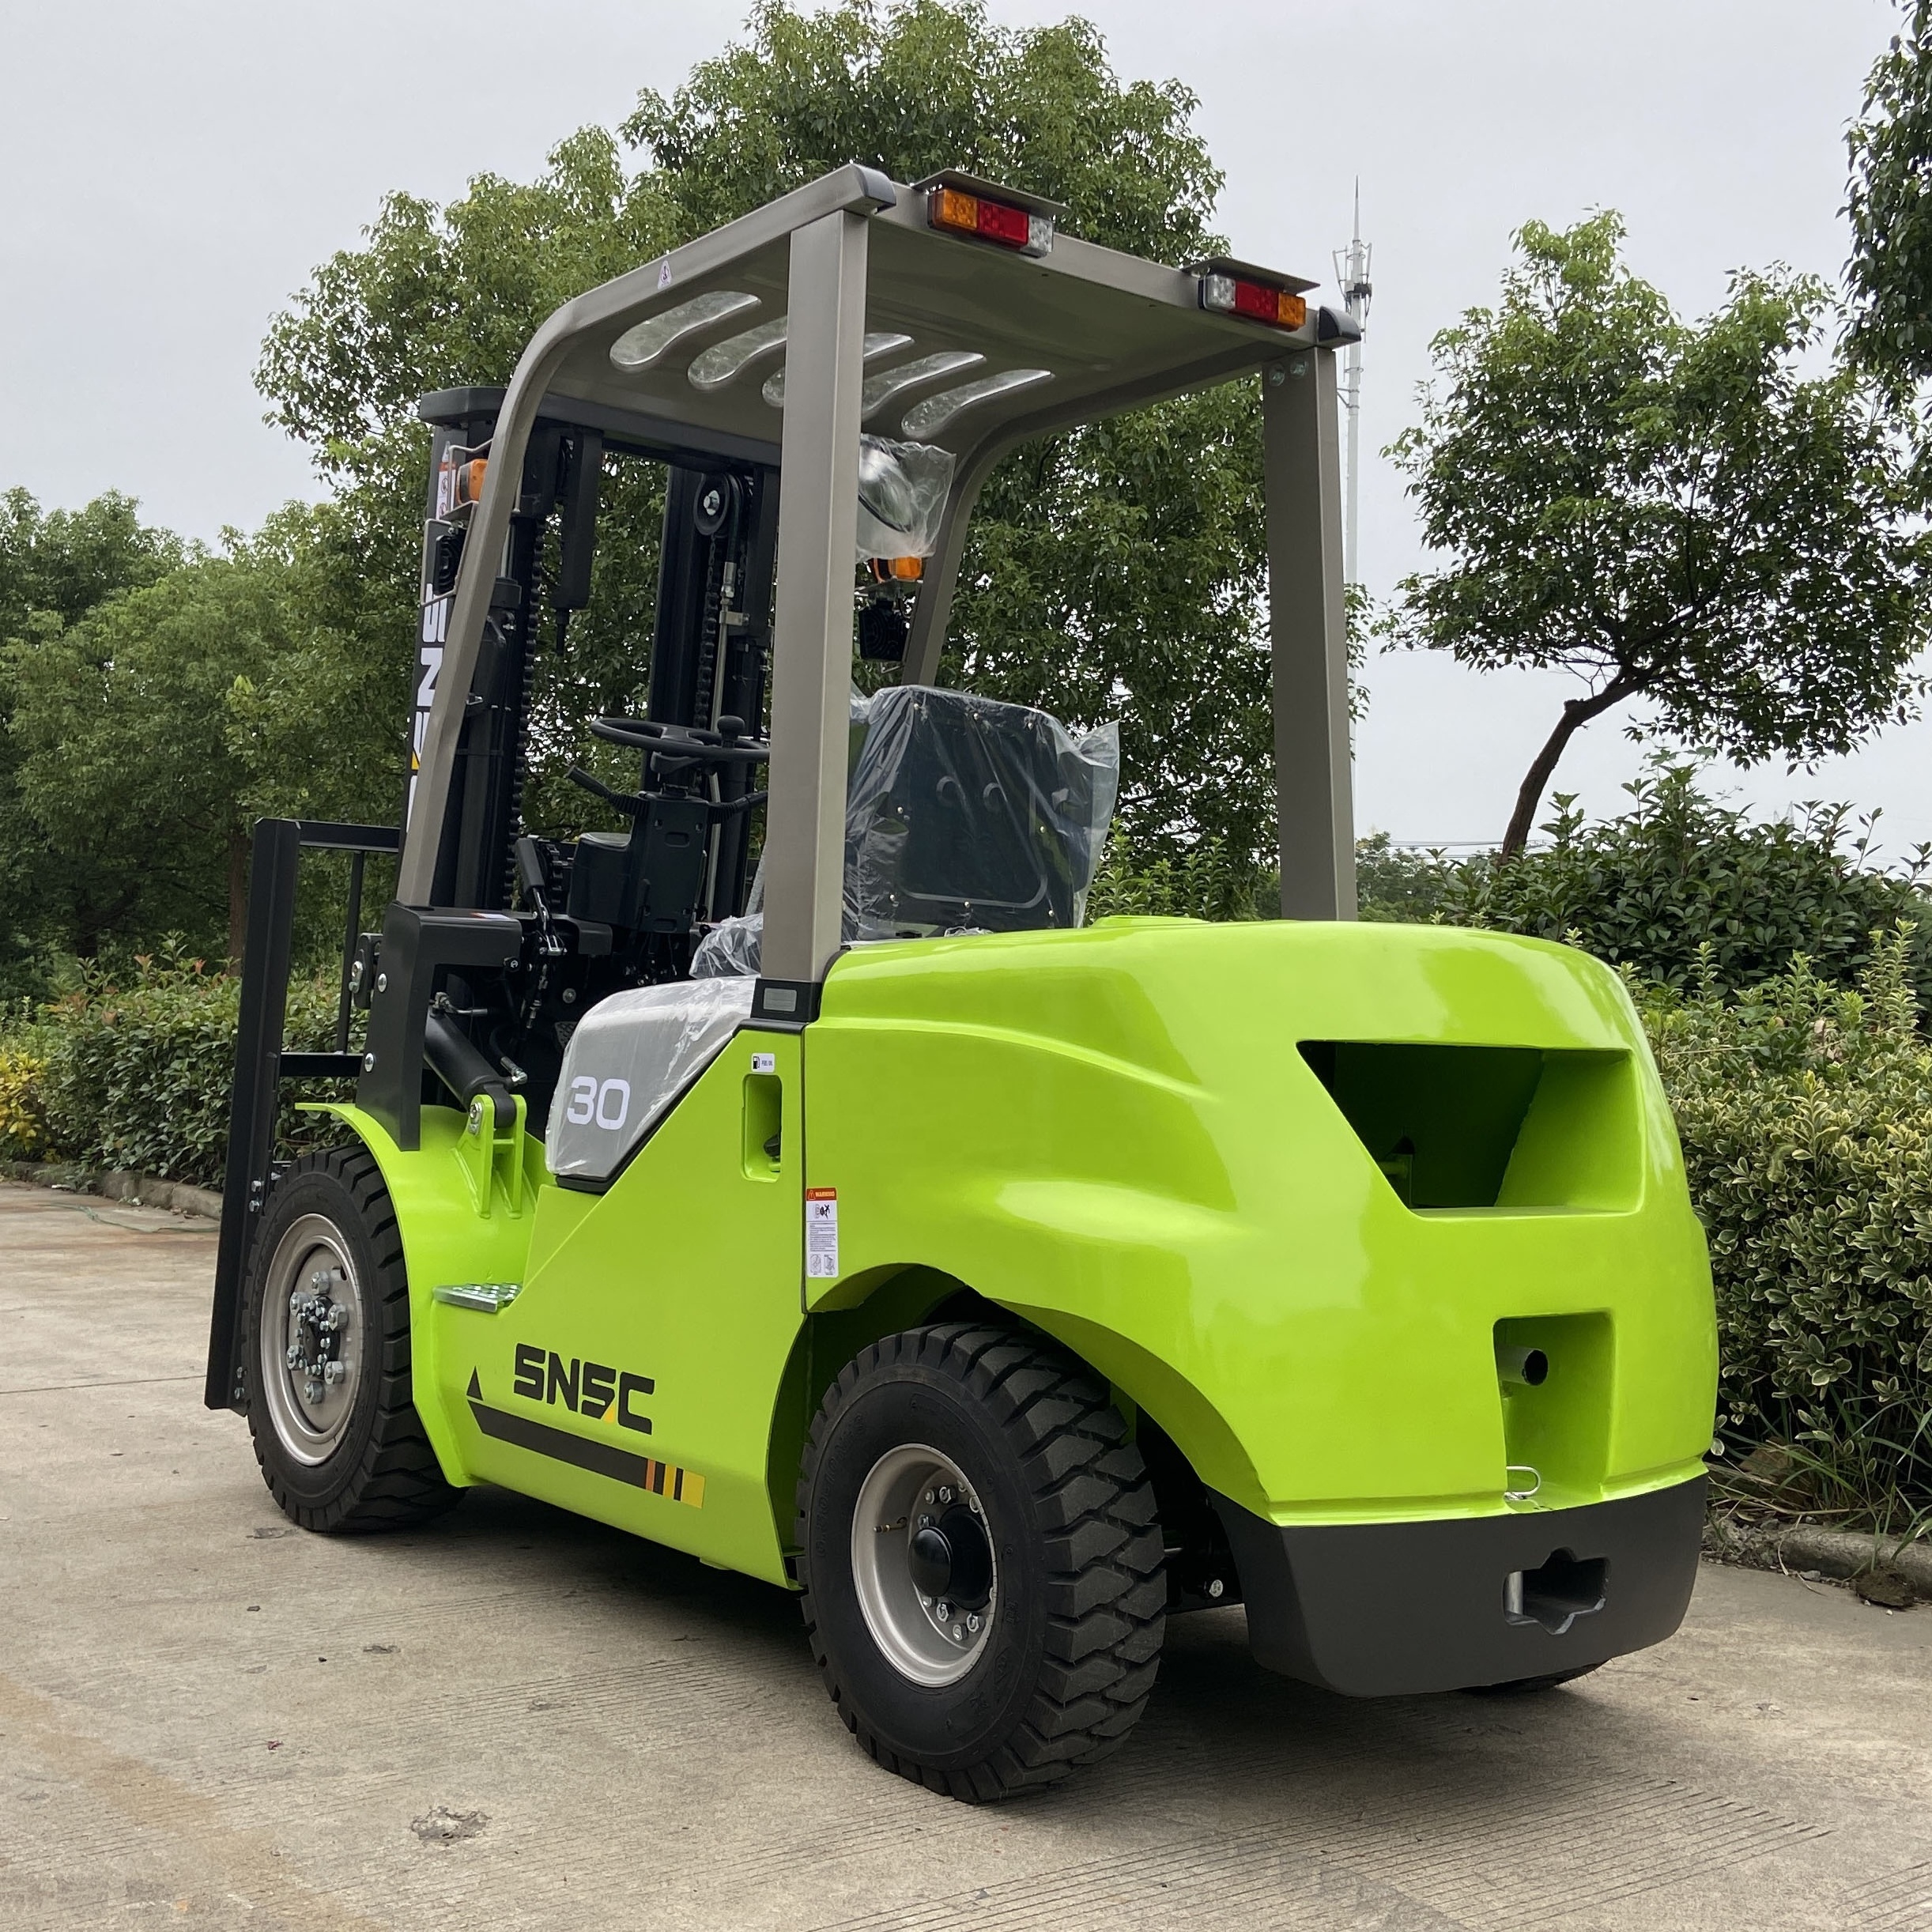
[(710, 647)]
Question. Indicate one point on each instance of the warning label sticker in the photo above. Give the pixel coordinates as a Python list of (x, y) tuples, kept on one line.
[(821, 1233)]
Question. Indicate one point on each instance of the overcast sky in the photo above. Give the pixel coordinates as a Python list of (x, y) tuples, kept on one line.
[(173, 173)]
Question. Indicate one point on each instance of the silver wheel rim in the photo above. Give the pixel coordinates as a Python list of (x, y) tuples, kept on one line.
[(312, 1327), (926, 1635)]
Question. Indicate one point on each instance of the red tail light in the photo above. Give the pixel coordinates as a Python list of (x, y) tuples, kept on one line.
[(1233, 295), (962, 213)]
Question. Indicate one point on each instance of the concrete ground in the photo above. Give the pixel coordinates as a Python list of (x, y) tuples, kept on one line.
[(515, 1719)]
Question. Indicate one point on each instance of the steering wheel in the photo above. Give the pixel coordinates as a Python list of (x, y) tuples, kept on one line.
[(671, 750), (685, 744)]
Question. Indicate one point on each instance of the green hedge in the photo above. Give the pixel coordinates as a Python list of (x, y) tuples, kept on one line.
[(1804, 1110), (1677, 883), (1805, 1107), (137, 1075)]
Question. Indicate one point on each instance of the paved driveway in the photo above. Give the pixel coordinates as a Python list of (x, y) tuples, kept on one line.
[(515, 1719)]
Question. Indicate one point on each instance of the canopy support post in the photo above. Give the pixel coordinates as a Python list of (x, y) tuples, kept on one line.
[(812, 629), (1308, 632)]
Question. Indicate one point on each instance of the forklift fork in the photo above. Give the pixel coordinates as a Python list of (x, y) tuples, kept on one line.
[(261, 1065)]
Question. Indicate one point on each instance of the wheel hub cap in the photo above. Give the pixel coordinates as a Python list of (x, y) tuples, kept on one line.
[(923, 1565), (311, 1337), (952, 1558)]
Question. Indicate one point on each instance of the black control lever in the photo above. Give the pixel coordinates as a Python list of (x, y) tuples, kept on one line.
[(633, 804), (532, 878)]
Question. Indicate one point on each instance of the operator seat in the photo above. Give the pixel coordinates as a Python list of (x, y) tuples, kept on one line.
[(963, 814), (967, 812)]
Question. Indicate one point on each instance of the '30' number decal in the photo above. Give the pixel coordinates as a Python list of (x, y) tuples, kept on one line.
[(608, 1102)]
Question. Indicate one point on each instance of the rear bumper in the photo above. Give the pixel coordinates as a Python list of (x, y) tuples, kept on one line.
[(1393, 1609)]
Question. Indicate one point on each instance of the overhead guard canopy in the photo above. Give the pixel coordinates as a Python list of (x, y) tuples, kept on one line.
[(1107, 330), (839, 308)]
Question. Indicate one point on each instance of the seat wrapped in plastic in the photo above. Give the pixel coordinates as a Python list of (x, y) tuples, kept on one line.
[(963, 814), (966, 811), (629, 1058)]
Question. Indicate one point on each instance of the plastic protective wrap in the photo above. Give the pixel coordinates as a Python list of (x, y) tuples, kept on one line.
[(902, 496), (859, 709), (731, 947), (963, 812), (628, 1059)]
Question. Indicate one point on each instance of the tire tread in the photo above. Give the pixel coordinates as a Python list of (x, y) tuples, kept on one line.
[(398, 1482), (1107, 1602)]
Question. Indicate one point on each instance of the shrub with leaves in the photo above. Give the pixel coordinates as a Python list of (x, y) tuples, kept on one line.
[(1805, 1108), (1401, 885), (23, 1135), (137, 1076), (1676, 874), (1202, 881)]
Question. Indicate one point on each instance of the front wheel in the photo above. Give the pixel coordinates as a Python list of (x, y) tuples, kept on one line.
[(335, 1431), (981, 1562)]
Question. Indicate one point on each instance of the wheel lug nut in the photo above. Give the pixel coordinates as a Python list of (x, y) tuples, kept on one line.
[(959, 1635), (946, 1495), (945, 1613), (929, 1496), (972, 1622)]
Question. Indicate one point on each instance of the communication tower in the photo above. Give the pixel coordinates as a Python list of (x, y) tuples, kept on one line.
[(1352, 278)]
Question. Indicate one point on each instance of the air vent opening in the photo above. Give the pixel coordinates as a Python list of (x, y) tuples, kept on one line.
[(1467, 1128)]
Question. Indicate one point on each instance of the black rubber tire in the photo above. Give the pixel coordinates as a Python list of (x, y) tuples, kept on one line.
[(1074, 1649), (1524, 1687), (383, 1474)]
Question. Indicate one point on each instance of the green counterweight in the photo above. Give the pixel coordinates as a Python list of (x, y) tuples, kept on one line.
[(1124, 1136)]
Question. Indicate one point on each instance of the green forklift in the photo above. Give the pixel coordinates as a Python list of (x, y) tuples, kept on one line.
[(838, 1206)]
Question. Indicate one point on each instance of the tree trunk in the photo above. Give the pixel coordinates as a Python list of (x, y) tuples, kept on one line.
[(238, 895), (1577, 713)]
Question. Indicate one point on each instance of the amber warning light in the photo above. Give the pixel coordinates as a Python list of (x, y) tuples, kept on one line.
[(962, 213), (1255, 301), (459, 480)]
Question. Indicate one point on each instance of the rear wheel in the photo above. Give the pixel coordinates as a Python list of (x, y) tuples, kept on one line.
[(982, 1562), (335, 1431)]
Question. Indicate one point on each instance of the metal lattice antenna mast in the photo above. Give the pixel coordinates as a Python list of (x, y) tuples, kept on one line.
[(1352, 278)]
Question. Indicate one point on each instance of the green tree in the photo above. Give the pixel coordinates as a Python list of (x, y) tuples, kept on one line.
[(1890, 206), (153, 732), (924, 85), (441, 297), (55, 566), (1670, 512), (1117, 572), (60, 564)]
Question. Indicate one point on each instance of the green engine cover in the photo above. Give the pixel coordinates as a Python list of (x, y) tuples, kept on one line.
[(1310, 1195)]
